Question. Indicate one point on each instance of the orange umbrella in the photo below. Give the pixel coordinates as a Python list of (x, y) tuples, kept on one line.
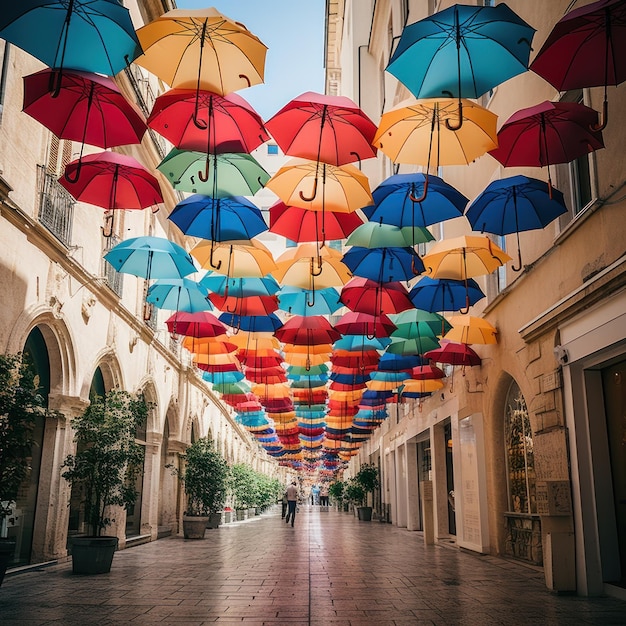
[(235, 259), (471, 329)]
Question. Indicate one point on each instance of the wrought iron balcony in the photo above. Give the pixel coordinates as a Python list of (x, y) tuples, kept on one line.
[(56, 206)]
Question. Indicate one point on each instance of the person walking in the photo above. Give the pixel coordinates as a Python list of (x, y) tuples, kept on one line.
[(292, 501), (284, 506)]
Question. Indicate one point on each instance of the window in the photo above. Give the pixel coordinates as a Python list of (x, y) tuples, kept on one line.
[(519, 453), (272, 149)]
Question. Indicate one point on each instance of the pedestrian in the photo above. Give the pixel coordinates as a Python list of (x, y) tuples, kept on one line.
[(284, 505), (292, 501)]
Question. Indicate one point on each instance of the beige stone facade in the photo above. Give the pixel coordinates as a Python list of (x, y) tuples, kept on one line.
[(558, 366)]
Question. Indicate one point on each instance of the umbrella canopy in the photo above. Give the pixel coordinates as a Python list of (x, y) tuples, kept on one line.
[(318, 348), (199, 324), (369, 296), (307, 331), (83, 107), (202, 49), (207, 122), (415, 345), (248, 305), (238, 260), (331, 129), (415, 322), (218, 219), (397, 362), (383, 265), (241, 287), (112, 181), (400, 200), (462, 51), (210, 345), (380, 235), (300, 224), (150, 257), (515, 204), (356, 342), (471, 329), (342, 188), (178, 294), (427, 372), (88, 35), (454, 354), (216, 175), (298, 301), (353, 323), (444, 294), (422, 386), (252, 323), (308, 267), (586, 48)]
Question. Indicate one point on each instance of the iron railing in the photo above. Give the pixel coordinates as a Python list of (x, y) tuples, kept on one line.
[(56, 206), (114, 279)]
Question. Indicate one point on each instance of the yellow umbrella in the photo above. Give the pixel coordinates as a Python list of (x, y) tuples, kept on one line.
[(308, 267), (275, 391), (416, 131), (470, 329), (322, 348), (321, 187), (382, 385), (202, 49), (211, 345), (215, 359), (235, 260), (254, 341), (422, 386), (304, 360)]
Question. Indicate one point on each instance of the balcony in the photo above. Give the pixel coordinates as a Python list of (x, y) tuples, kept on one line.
[(56, 206)]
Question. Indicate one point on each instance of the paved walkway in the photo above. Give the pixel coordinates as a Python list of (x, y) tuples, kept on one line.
[(330, 569)]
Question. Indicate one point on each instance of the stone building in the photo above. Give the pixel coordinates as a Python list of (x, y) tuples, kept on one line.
[(521, 457)]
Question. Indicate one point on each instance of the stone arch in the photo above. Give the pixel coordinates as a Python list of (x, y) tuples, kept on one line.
[(111, 370)]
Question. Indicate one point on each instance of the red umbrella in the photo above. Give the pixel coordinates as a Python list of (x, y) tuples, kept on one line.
[(546, 134), (207, 122), (87, 108), (454, 354), (586, 48), (269, 376), (330, 129), (427, 372), (200, 324), (249, 305), (300, 224), (309, 330), (355, 359), (354, 323), (260, 361), (368, 296)]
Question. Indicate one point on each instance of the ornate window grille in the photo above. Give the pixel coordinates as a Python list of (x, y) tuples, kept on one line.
[(56, 206), (115, 280)]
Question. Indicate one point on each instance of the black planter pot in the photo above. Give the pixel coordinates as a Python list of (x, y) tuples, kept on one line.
[(7, 550), (365, 513), (93, 555), (194, 526), (215, 519)]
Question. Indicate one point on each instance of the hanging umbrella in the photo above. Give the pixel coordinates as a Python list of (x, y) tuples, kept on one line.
[(415, 322), (380, 235), (248, 305), (150, 257), (444, 294), (252, 323), (210, 345), (300, 224), (239, 287), (353, 323), (471, 329), (317, 348), (238, 260), (400, 200), (515, 204), (309, 330), (256, 341), (427, 372), (422, 386), (398, 362), (88, 35), (218, 219), (586, 49), (207, 122), (454, 354), (202, 49), (462, 51), (216, 175), (415, 345), (330, 129), (356, 342), (383, 265), (547, 134), (223, 378), (369, 296), (198, 324), (297, 301), (178, 294)]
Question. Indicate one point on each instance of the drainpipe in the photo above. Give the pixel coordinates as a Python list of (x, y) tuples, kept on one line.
[(3, 75)]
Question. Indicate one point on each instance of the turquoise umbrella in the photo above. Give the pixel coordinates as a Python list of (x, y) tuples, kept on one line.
[(415, 345), (239, 287), (223, 378), (179, 294), (298, 301)]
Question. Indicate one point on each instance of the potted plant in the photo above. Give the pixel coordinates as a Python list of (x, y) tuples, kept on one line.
[(353, 493), (335, 491), (205, 478), (367, 477), (243, 487), (104, 469), (20, 405)]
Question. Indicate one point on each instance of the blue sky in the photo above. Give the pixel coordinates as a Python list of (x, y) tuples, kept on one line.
[(293, 31)]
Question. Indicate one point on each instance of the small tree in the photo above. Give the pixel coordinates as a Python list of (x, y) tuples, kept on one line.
[(353, 492), (335, 491), (243, 486), (367, 477), (108, 460), (205, 478)]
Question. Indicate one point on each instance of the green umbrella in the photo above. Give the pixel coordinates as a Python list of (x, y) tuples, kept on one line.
[(240, 388), (215, 175), (416, 322), (379, 235), (416, 345)]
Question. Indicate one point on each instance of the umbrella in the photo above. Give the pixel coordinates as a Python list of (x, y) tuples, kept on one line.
[(218, 219), (202, 49), (415, 345), (318, 348), (380, 235), (239, 287), (207, 122), (248, 305), (216, 175), (400, 200), (309, 330), (178, 294), (383, 265), (427, 372), (297, 301), (586, 49), (198, 324), (454, 354), (330, 129), (470, 329), (238, 260), (150, 257), (300, 224), (397, 362), (252, 323), (210, 345), (515, 204), (546, 134), (355, 342), (88, 35), (462, 51), (415, 322), (369, 296), (444, 294), (353, 323), (421, 385)]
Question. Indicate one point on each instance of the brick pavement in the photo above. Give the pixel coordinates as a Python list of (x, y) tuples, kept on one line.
[(330, 569)]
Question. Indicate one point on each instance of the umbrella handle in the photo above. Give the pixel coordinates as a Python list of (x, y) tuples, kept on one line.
[(204, 176), (601, 125), (458, 125), (219, 263), (306, 199), (147, 311), (74, 179), (312, 303), (412, 198), (319, 265), (107, 229), (54, 85), (465, 311), (519, 257), (413, 270), (307, 365), (245, 78)]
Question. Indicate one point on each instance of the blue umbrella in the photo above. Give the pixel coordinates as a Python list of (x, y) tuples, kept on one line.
[(298, 301), (361, 342), (88, 35), (463, 51), (252, 323), (384, 265), (150, 257), (223, 377), (515, 204), (218, 219), (444, 294), (350, 379), (313, 370), (178, 294), (396, 201), (396, 362), (239, 287)]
